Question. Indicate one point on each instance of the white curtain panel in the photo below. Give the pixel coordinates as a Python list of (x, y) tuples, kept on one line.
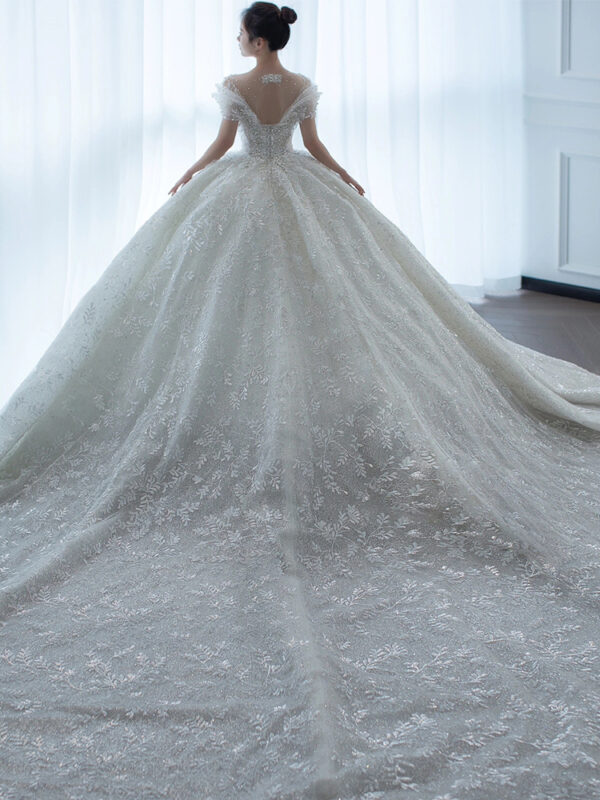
[(105, 103)]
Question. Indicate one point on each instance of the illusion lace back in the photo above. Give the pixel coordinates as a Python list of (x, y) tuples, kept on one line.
[(283, 517), (268, 134)]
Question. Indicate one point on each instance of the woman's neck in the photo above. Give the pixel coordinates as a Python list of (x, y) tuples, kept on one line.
[(268, 63)]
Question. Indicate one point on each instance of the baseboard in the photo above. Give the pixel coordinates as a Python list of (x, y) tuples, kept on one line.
[(564, 289)]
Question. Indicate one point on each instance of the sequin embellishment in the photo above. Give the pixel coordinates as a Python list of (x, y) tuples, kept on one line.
[(271, 77)]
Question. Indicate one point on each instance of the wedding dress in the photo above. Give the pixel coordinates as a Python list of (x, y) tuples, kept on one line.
[(283, 517)]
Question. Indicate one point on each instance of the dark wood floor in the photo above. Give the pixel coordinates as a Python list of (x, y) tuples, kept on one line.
[(559, 326)]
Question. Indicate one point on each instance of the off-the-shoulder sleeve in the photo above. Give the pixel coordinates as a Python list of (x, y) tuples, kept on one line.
[(307, 103), (229, 101)]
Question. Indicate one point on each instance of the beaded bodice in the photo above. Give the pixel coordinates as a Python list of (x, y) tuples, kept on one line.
[(259, 139)]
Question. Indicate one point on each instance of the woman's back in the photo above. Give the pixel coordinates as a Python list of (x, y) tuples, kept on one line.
[(268, 95)]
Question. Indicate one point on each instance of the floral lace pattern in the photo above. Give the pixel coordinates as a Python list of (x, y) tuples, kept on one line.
[(283, 517)]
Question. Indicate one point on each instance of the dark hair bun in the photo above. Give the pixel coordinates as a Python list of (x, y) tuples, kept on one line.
[(288, 14)]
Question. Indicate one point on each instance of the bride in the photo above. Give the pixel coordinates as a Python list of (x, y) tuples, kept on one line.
[(282, 516)]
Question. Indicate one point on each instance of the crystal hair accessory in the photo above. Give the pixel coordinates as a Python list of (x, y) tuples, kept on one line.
[(271, 77)]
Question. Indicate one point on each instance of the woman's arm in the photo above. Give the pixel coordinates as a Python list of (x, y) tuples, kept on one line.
[(225, 139), (316, 148)]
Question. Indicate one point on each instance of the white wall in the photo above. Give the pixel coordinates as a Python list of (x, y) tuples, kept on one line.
[(562, 140)]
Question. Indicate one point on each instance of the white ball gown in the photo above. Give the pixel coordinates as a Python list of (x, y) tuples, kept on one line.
[(283, 517)]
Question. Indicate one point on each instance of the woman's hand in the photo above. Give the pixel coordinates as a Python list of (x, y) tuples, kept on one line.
[(184, 179), (350, 180)]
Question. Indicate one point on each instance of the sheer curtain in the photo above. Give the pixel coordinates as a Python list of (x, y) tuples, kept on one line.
[(105, 103)]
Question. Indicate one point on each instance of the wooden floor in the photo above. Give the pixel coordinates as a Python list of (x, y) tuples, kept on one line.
[(559, 326)]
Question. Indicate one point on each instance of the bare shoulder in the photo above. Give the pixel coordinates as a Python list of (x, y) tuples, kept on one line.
[(300, 80), (231, 81), (248, 79), (241, 80), (303, 78)]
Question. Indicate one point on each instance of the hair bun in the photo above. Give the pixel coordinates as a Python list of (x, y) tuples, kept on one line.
[(288, 14)]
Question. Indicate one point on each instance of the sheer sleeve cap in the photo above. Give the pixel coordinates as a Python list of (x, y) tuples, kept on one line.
[(228, 99), (307, 102)]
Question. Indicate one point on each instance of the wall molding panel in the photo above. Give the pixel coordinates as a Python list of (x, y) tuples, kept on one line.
[(579, 242), (558, 112), (561, 116), (589, 69)]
